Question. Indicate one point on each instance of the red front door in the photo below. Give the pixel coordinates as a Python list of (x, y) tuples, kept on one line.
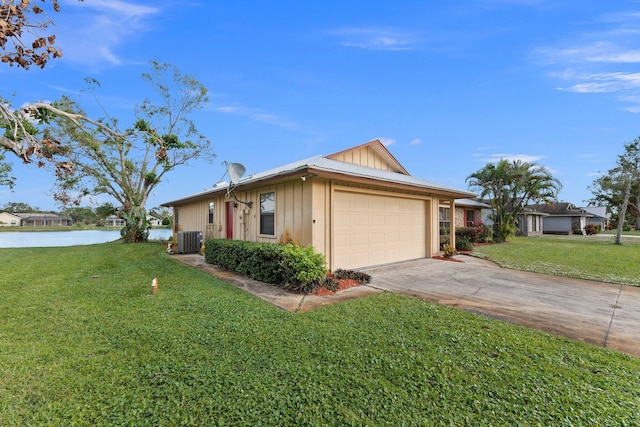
[(229, 220)]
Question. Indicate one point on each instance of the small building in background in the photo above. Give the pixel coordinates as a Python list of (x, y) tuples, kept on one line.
[(33, 219)]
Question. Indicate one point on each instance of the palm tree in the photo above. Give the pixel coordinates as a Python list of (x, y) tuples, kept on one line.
[(511, 186)]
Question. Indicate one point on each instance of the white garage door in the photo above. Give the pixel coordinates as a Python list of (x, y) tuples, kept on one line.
[(375, 229)]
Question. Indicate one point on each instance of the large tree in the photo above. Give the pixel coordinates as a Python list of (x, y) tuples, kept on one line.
[(511, 186), (619, 188), (21, 40), (101, 157), (23, 44)]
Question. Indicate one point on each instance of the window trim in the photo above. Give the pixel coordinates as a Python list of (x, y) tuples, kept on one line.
[(211, 217), (468, 223), (265, 214)]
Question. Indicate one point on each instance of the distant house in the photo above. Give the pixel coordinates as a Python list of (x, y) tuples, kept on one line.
[(531, 222), (358, 207), (114, 221), (600, 217), (562, 218), (154, 220), (469, 211), (34, 219), (8, 219)]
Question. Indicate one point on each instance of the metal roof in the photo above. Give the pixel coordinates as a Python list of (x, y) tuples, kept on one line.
[(323, 164), (472, 203)]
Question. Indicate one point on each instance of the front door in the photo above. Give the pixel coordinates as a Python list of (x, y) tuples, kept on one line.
[(229, 220)]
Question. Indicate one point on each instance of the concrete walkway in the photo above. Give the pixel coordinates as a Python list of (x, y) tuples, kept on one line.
[(598, 313), (295, 303)]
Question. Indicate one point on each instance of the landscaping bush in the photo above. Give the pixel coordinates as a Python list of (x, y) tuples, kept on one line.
[(476, 233), (486, 235), (472, 234), (463, 244), (590, 229), (289, 266), (304, 269), (358, 276), (449, 250)]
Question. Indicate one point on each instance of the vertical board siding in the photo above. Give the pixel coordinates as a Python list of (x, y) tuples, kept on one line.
[(364, 156)]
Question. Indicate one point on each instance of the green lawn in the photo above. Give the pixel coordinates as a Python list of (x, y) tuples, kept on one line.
[(83, 343), (583, 257)]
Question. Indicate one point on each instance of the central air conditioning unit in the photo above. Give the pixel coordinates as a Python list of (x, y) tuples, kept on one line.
[(189, 242)]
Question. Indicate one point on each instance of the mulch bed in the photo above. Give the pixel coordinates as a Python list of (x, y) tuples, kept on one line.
[(342, 285), (446, 259)]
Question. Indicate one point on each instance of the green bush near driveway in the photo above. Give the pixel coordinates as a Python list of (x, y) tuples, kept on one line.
[(290, 266), (82, 342)]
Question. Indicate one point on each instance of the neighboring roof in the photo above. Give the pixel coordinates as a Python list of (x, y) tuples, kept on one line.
[(320, 165), (559, 209), (39, 215), (529, 211), (598, 211), (12, 214), (471, 203)]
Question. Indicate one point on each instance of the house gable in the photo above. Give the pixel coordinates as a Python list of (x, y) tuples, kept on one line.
[(373, 154)]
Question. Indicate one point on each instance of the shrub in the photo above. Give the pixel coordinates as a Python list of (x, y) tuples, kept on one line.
[(472, 234), (486, 235), (289, 266), (304, 269), (358, 276), (330, 283), (463, 244), (590, 229), (476, 233), (449, 250)]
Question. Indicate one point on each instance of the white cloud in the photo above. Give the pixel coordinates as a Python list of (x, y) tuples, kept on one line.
[(374, 38), (386, 141), (91, 32), (603, 60), (257, 115), (415, 141)]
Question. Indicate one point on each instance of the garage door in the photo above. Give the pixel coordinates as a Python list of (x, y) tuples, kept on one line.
[(375, 229)]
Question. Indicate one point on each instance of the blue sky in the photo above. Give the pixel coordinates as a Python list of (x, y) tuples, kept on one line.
[(447, 86)]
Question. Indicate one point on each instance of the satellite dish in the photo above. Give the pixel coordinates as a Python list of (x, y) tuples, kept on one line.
[(235, 171)]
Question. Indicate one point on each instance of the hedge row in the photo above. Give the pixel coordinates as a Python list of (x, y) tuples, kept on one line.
[(290, 266)]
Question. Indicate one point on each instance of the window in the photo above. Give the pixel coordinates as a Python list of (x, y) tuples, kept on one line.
[(211, 210), (469, 217), (267, 213), (445, 220), (444, 217)]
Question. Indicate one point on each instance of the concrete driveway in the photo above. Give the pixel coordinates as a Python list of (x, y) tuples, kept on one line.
[(598, 313)]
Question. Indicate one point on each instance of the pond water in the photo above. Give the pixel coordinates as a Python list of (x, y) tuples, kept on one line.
[(38, 239)]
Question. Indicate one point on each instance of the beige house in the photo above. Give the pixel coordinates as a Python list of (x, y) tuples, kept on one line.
[(359, 207), (34, 219), (8, 219)]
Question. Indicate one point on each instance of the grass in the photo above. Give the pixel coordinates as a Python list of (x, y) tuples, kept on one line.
[(82, 342), (583, 257)]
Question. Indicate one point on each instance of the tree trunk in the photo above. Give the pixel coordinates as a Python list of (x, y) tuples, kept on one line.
[(136, 229), (623, 212)]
